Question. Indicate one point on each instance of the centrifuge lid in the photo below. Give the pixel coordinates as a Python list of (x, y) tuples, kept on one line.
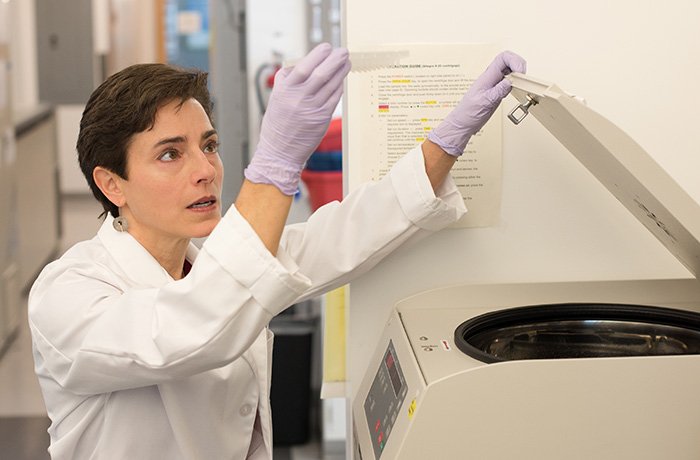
[(567, 331), (618, 162)]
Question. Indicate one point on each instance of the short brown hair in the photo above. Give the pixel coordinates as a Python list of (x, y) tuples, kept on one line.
[(124, 105)]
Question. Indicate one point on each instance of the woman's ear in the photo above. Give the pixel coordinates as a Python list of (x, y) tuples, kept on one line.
[(110, 184)]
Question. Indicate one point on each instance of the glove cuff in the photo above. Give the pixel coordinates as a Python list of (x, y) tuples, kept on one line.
[(285, 176), (451, 146)]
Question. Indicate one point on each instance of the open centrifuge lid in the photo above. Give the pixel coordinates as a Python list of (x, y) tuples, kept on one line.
[(619, 163)]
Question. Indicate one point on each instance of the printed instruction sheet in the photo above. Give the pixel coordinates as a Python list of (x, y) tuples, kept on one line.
[(392, 106)]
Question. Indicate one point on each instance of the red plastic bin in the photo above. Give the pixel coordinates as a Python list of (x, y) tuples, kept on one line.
[(333, 139), (323, 186)]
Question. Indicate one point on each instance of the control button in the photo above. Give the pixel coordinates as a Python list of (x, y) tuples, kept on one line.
[(246, 409), (377, 425)]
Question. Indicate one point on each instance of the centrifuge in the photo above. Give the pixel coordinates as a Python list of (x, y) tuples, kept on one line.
[(569, 370)]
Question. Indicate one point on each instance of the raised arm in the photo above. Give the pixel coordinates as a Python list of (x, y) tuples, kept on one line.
[(300, 109), (412, 201), (449, 139)]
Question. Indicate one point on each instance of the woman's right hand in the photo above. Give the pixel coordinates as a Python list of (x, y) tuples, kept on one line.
[(300, 108)]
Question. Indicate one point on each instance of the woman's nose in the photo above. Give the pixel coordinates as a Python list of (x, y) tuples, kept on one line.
[(203, 169)]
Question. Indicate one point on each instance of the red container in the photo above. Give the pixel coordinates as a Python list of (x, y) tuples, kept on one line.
[(324, 186), (333, 139)]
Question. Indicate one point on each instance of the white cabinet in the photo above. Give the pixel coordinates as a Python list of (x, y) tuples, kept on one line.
[(38, 208)]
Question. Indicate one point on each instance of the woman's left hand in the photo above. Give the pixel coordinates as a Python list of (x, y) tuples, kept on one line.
[(477, 105)]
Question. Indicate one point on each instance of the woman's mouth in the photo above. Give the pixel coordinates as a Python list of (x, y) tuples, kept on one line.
[(203, 204)]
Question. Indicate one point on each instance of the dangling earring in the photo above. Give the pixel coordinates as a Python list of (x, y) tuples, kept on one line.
[(120, 224)]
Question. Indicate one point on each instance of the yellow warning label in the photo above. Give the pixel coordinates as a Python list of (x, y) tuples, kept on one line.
[(411, 409)]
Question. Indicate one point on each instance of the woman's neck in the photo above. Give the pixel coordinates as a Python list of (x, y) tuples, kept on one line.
[(174, 265), (170, 253)]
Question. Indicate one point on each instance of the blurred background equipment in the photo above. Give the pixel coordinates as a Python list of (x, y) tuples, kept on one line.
[(9, 230)]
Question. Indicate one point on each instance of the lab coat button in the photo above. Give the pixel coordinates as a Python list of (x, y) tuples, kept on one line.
[(246, 409)]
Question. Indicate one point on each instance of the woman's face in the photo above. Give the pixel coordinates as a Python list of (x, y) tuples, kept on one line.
[(175, 176)]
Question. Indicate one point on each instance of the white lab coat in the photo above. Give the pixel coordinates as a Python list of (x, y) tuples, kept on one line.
[(135, 365)]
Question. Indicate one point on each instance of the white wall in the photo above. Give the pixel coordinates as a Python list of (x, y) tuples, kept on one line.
[(635, 62)]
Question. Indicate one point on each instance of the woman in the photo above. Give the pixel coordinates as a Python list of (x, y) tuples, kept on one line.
[(146, 347)]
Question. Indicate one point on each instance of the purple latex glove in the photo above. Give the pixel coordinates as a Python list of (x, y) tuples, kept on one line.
[(300, 108), (477, 105)]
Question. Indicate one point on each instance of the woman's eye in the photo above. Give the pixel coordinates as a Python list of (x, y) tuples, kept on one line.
[(169, 155), (212, 147)]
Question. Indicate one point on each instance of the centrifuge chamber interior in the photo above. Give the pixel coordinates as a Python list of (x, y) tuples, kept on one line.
[(575, 370)]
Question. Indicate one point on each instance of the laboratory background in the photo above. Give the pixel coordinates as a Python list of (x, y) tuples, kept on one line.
[(593, 209)]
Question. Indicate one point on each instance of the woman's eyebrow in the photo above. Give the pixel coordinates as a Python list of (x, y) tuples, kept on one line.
[(209, 133), (178, 139), (170, 140)]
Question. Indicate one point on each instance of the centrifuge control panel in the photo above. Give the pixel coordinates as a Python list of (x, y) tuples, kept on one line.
[(384, 400)]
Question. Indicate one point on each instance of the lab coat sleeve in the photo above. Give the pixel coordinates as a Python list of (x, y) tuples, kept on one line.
[(96, 336), (342, 240)]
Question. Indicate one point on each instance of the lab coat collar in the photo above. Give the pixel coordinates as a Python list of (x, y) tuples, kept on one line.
[(135, 261)]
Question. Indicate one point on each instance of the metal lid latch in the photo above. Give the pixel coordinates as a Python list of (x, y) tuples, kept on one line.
[(519, 113)]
